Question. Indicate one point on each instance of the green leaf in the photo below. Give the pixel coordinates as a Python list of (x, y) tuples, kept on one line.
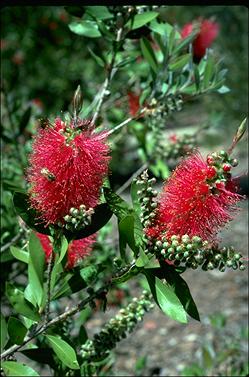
[(118, 205), (148, 54), (77, 280), (191, 89), (126, 235), (24, 120), (197, 77), (171, 40), (20, 304), (141, 19), (142, 260), (223, 89), (4, 332), (101, 216), (160, 169), (144, 95), (89, 273), (85, 28), (99, 59), (12, 368), (182, 291), (208, 73), (163, 29), (165, 298), (70, 284), (36, 268), (134, 196), (16, 330), (10, 186), (99, 12), (63, 250), (29, 215), (19, 254), (180, 62), (184, 42), (64, 351)]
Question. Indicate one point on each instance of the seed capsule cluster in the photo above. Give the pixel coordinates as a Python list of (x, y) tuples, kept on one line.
[(147, 198), (78, 218), (116, 329), (166, 105), (179, 147), (220, 165), (193, 252)]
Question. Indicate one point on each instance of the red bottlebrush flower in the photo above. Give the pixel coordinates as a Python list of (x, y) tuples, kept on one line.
[(67, 169), (77, 249), (207, 34), (191, 204), (133, 103), (173, 138), (37, 102)]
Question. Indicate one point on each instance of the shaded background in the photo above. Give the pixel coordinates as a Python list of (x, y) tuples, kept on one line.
[(42, 64)]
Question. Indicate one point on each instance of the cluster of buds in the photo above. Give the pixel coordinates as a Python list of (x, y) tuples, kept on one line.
[(78, 218), (220, 165), (147, 198), (166, 106), (178, 146), (193, 252), (116, 329)]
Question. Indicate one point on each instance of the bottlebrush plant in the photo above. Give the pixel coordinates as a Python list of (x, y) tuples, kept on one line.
[(75, 260)]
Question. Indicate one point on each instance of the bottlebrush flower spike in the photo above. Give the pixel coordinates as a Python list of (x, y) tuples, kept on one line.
[(207, 34), (67, 168), (77, 249), (197, 199)]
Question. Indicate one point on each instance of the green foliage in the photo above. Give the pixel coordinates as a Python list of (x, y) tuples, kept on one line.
[(166, 298), (135, 49), (12, 368), (64, 351)]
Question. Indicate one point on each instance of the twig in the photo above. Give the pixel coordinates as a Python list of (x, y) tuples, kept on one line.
[(116, 128), (111, 72), (49, 273), (11, 242), (134, 175), (60, 318)]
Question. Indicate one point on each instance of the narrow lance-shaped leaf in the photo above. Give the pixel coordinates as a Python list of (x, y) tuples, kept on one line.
[(16, 330), (182, 291), (148, 54), (165, 298), (4, 332), (36, 268), (19, 254), (29, 215), (20, 304), (85, 28), (118, 205), (12, 368), (141, 19), (64, 351)]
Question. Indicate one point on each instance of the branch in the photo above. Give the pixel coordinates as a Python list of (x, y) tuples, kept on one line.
[(11, 242), (134, 175), (49, 273), (116, 128), (60, 318), (111, 72)]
